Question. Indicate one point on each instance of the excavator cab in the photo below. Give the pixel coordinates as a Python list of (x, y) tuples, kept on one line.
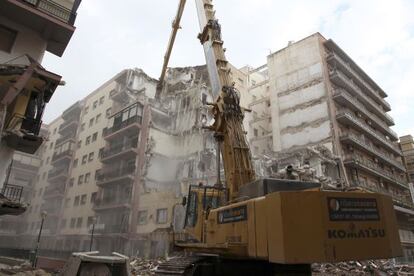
[(201, 199)]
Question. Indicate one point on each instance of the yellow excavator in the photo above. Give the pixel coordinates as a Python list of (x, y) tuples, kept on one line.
[(252, 226)]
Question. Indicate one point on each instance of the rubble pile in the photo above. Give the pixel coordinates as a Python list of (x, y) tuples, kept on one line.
[(24, 269), (145, 267), (378, 267)]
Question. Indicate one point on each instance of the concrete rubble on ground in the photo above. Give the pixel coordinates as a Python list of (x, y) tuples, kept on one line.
[(24, 269), (145, 267), (377, 267)]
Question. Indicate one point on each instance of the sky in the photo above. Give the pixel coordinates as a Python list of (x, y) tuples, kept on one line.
[(377, 34)]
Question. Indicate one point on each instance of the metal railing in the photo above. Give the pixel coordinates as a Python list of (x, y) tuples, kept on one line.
[(65, 138), (341, 92), (359, 80), (376, 169), (361, 94), (112, 174), (55, 190), (55, 172), (115, 128), (364, 127), (117, 199), (54, 9), (12, 192), (372, 149), (62, 154), (120, 148), (65, 124), (403, 200), (112, 229)]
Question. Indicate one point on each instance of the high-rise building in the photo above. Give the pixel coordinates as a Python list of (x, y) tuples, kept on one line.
[(29, 28), (313, 99), (407, 147)]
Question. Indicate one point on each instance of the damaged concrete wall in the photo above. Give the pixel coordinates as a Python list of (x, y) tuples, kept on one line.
[(298, 96)]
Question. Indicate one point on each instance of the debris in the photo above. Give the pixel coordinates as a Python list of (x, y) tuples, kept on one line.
[(377, 267), (145, 267)]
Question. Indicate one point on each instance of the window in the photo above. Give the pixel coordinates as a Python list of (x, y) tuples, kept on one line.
[(101, 100), (67, 202), (83, 200), (108, 112), (93, 197), (142, 217), (87, 177), (47, 160), (88, 140), (97, 173), (95, 104), (7, 39), (79, 144), (86, 109), (82, 127), (90, 221), (63, 223), (40, 192), (76, 202), (84, 159), (94, 136), (72, 222), (98, 118), (75, 163), (80, 179), (162, 215), (255, 132), (91, 122), (91, 155), (44, 175), (79, 223), (100, 154), (71, 181)]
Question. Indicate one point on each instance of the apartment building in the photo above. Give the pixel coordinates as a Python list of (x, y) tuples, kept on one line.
[(407, 147), (29, 28), (311, 99)]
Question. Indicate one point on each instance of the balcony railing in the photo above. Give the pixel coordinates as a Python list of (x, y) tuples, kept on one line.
[(57, 172), (109, 175), (354, 89), (72, 123), (113, 202), (115, 128), (359, 80), (357, 140), (366, 129), (54, 9), (342, 93), (65, 138), (131, 145), (397, 198), (375, 169), (111, 229), (67, 153), (27, 167), (54, 190), (12, 192)]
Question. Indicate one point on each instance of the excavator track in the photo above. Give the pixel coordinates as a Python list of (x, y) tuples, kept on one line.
[(216, 266)]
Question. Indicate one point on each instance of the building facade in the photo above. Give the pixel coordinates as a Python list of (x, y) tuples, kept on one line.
[(407, 147), (27, 30), (314, 105)]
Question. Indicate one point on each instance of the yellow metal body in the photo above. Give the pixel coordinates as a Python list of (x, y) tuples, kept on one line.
[(302, 227)]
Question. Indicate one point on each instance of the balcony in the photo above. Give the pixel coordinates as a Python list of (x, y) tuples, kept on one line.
[(68, 137), (31, 168), (120, 202), (340, 79), (345, 117), (114, 176), (357, 141), (63, 155), (371, 167), (121, 151), (54, 190), (406, 236), (111, 229), (129, 125), (337, 62), (404, 201), (12, 192), (346, 99), (68, 126), (58, 174), (40, 15), (22, 133)]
